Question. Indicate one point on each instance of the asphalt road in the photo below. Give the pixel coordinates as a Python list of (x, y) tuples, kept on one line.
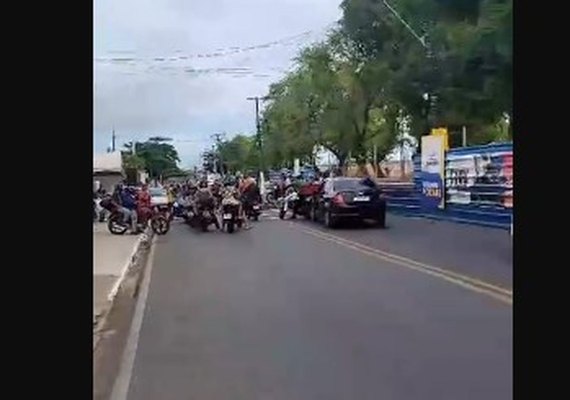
[(282, 312)]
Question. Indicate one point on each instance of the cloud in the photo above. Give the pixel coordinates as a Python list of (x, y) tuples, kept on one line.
[(152, 75)]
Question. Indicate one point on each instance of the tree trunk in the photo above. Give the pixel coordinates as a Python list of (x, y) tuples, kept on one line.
[(341, 159)]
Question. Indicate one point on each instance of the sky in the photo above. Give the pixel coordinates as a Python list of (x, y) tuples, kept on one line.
[(183, 68)]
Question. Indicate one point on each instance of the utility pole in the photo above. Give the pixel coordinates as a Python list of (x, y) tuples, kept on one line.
[(218, 138), (113, 139), (258, 128), (376, 160), (215, 166)]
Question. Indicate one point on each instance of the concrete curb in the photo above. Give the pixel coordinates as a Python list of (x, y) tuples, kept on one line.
[(99, 320), (144, 237)]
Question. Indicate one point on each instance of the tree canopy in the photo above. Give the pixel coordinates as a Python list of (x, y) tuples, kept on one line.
[(156, 156), (354, 89), (240, 153)]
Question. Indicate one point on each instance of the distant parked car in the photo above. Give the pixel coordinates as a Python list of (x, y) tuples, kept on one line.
[(158, 196), (349, 199)]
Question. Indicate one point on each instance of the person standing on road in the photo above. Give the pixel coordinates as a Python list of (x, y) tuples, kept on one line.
[(249, 194), (144, 207), (170, 194), (129, 205)]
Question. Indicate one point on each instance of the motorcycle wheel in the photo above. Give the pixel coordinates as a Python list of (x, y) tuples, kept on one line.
[(281, 213), (256, 217), (115, 225), (230, 226), (160, 225), (204, 225)]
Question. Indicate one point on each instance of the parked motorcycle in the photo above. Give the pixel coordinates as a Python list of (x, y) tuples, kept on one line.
[(179, 211), (252, 210), (271, 193), (160, 219), (204, 218), (118, 225), (165, 210), (289, 202), (99, 213)]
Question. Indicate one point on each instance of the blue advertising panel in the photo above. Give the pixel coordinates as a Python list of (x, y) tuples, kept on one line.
[(433, 169)]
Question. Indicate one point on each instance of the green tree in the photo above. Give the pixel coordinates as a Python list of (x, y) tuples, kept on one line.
[(471, 67), (240, 153), (155, 155), (328, 100)]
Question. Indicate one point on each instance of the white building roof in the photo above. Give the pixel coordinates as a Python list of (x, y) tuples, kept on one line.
[(108, 162)]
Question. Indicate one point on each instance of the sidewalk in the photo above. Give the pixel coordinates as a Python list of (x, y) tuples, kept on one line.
[(112, 255)]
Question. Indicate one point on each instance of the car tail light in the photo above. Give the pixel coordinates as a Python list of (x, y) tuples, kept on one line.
[(338, 200)]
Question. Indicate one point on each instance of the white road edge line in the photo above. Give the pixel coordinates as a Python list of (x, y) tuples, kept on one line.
[(123, 379), (117, 284)]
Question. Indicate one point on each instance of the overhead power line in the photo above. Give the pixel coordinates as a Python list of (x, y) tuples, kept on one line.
[(179, 55)]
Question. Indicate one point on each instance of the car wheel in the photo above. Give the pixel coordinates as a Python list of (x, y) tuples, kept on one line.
[(381, 220)]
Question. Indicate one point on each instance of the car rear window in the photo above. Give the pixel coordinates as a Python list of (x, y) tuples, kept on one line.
[(157, 192), (349, 184), (353, 184)]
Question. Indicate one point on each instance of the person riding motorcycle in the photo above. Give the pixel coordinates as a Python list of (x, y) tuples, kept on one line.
[(249, 190), (217, 191), (204, 200), (129, 208), (249, 194), (233, 196)]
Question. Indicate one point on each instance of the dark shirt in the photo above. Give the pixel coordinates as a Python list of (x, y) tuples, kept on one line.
[(128, 200)]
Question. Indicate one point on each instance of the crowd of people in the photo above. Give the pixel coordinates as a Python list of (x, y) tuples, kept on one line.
[(135, 203), (132, 202)]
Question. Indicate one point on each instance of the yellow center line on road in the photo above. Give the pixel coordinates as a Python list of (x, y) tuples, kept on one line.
[(502, 294)]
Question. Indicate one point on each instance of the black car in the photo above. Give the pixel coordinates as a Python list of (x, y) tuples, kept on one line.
[(349, 198)]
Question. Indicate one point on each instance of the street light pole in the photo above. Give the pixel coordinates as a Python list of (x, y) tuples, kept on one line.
[(218, 138), (258, 128)]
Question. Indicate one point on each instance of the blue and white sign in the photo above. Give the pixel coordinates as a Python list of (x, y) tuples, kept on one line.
[(433, 170)]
